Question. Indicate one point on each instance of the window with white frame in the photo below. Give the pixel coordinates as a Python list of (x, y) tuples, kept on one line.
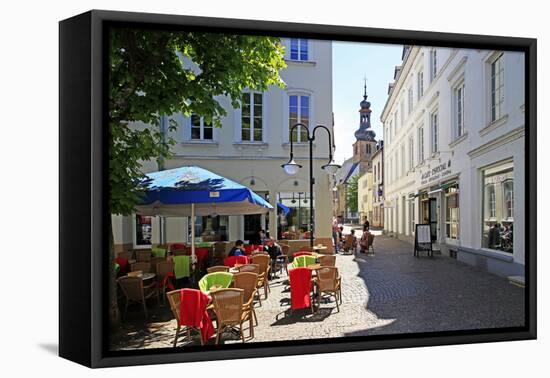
[(497, 88), (421, 144), (298, 112), (452, 212), (410, 100), (411, 216), (403, 158), (411, 152), (433, 64), (434, 132), (201, 129), (299, 49), (252, 117), (420, 84), (459, 110)]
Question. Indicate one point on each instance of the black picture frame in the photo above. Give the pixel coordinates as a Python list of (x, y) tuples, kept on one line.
[(83, 191)]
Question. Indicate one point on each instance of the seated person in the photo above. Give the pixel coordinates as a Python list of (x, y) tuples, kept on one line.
[(274, 251), (238, 249), (351, 241)]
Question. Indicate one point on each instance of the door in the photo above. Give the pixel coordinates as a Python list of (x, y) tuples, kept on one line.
[(252, 227), (433, 219)]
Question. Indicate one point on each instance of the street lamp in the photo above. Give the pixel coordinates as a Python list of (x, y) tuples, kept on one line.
[(291, 167)]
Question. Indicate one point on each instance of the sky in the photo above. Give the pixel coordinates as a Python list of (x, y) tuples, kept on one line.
[(351, 63)]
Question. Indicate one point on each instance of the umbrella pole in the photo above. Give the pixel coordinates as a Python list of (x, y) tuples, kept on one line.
[(193, 257)]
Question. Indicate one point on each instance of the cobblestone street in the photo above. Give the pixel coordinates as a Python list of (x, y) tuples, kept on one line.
[(390, 292)]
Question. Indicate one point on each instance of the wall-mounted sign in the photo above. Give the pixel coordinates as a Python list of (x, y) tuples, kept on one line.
[(214, 194), (436, 173)]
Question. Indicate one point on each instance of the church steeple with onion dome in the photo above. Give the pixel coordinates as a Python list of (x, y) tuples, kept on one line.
[(365, 144)]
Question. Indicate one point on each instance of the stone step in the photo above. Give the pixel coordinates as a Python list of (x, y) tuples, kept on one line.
[(517, 280)]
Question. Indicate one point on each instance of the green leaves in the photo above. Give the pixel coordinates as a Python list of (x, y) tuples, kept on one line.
[(351, 194), (148, 79)]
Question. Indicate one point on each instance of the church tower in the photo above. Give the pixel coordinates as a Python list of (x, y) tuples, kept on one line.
[(365, 144)]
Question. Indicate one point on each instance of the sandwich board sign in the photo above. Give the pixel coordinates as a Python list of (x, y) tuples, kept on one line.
[(422, 240)]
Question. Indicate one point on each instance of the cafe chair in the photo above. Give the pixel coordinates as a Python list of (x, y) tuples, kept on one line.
[(350, 245), (327, 260), (300, 289), (143, 255), (220, 279), (252, 268), (193, 318), (231, 311), (217, 268), (328, 282), (248, 282), (304, 261), (282, 260), (165, 276), (145, 267), (134, 291), (264, 261)]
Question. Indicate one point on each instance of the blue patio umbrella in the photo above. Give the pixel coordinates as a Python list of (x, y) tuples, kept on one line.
[(284, 208), (191, 191)]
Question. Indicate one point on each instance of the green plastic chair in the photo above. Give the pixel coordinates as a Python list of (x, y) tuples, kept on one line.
[(158, 252), (117, 268), (304, 261), (217, 278)]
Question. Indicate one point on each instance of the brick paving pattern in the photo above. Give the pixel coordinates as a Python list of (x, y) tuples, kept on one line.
[(390, 292)]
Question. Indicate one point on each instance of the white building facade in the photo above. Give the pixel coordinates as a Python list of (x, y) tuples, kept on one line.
[(250, 148), (454, 154)]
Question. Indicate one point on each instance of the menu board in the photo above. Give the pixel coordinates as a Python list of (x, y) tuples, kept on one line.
[(423, 239)]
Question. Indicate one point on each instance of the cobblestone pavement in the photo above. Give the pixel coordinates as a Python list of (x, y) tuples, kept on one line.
[(390, 292)]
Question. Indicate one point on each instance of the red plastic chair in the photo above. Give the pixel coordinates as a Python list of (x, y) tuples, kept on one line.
[(300, 288), (232, 260), (202, 255), (123, 263)]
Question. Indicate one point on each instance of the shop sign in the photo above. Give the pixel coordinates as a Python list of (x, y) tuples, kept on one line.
[(436, 173)]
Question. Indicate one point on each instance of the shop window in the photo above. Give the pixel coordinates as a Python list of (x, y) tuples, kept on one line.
[(452, 216), (143, 230), (294, 224), (498, 209), (212, 228)]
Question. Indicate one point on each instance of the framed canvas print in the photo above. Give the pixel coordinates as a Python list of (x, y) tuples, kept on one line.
[(235, 188)]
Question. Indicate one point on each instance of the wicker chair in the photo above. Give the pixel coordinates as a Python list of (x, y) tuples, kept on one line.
[(134, 291), (143, 255), (328, 282), (252, 268), (282, 260), (350, 244), (264, 262), (163, 269), (128, 255), (217, 268), (145, 267), (174, 300), (306, 248), (231, 311), (154, 262), (327, 260), (248, 282)]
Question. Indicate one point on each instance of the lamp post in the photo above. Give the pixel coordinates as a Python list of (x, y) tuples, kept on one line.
[(291, 167)]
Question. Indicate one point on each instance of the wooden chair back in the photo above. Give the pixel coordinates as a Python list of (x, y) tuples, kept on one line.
[(145, 267), (327, 278), (349, 242), (252, 268), (228, 305), (174, 301), (262, 260), (217, 268), (163, 268), (327, 260), (143, 255), (126, 255), (370, 240), (248, 282), (132, 287)]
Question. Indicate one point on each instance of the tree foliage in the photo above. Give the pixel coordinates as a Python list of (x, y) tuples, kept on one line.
[(351, 194), (156, 73)]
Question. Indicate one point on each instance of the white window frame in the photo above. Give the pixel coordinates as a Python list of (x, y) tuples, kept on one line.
[(201, 126), (421, 146), (311, 121), (300, 41), (411, 152), (459, 110), (434, 132), (420, 84), (238, 119), (498, 90), (410, 99), (433, 65)]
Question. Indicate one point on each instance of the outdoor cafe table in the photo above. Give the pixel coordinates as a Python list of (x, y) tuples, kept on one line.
[(319, 248), (146, 276)]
